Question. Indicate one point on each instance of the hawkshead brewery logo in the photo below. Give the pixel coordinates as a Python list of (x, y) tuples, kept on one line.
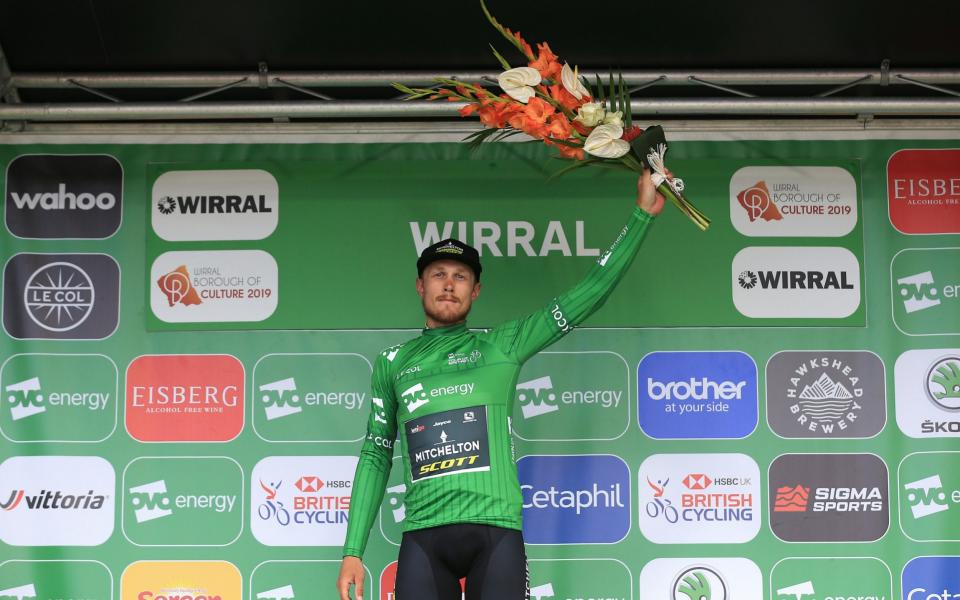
[(923, 190), (926, 290), (928, 392)]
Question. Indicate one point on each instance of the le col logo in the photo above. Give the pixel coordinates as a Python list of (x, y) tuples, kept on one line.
[(180, 398), (928, 392), (64, 196), (236, 204), (56, 500), (923, 190)]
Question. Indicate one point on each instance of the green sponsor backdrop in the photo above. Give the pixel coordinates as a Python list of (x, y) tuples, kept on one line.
[(345, 254)]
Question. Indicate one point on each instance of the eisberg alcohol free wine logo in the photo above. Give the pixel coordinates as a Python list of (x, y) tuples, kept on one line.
[(923, 190)]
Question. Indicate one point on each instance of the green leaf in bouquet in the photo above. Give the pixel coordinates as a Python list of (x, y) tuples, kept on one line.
[(501, 29), (476, 139), (613, 96), (602, 99), (503, 62), (625, 102)]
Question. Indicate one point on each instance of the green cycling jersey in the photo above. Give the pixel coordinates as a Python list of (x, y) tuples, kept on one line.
[(450, 392)]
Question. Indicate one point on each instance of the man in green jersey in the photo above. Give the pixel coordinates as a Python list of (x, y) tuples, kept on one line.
[(450, 391)]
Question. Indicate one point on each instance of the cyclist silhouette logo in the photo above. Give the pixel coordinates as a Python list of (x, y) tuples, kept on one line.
[(660, 505)]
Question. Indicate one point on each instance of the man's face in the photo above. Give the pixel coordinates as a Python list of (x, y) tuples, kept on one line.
[(448, 289)]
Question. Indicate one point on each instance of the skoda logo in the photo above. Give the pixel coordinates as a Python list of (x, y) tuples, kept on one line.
[(699, 583), (59, 296), (943, 383)]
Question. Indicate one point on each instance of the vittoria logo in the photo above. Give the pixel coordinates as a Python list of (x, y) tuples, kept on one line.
[(923, 190), (176, 286), (64, 196), (241, 204)]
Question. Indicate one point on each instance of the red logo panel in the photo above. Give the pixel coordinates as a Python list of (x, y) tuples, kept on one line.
[(185, 398), (388, 582), (923, 191)]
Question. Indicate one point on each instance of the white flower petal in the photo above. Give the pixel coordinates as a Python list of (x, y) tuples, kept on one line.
[(520, 94), (516, 83), (614, 118), (590, 114), (572, 83), (604, 141)]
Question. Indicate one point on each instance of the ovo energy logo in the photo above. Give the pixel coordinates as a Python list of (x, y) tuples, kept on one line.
[(926, 291), (930, 495), (833, 578), (55, 580)]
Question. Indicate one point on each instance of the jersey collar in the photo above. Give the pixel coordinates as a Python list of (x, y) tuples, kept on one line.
[(455, 329)]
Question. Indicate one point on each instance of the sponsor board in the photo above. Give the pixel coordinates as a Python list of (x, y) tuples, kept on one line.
[(929, 493), (182, 501), (826, 394), (301, 500), (795, 201), (606, 578), (829, 497), (931, 578), (388, 583), (55, 580), (298, 579), (701, 579), (321, 397), (834, 578), (927, 392), (58, 398), (925, 291), (699, 498), (582, 499), (51, 196), (61, 296), (184, 398), (393, 509), (56, 500), (451, 442), (697, 395), (228, 204), (181, 580), (923, 190), (507, 238), (772, 282), (215, 286), (573, 396)]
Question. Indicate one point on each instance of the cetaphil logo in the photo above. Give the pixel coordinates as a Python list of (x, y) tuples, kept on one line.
[(830, 578), (181, 580), (559, 393), (928, 392), (701, 579), (826, 394), (181, 398), (699, 498), (923, 190), (230, 204), (56, 500), (301, 500), (931, 578), (925, 290), (796, 282), (214, 286), (64, 196), (583, 499), (697, 395), (795, 201), (829, 497), (61, 296)]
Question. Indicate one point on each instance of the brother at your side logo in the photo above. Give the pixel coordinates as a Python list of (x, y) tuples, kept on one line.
[(64, 196), (796, 282), (574, 499), (926, 291), (931, 578), (61, 296), (56, 500), (697, 395), (928, 392), (923, 190)]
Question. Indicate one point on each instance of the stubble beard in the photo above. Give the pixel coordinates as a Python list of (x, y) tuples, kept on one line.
[(447, 317)]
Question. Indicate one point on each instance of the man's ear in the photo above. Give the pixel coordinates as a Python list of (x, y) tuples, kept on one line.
[(476, 291), (419, 285)]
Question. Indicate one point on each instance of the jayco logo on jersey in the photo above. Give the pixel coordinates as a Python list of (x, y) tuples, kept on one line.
[(930, 496), (931, 578), (928, 392), (317, 397), (926, 290), (702, 579), (197, 501), (55, 579), (697, 395), (64, 196), (574, 499), (834, 578), (699, 498), (571, 396)]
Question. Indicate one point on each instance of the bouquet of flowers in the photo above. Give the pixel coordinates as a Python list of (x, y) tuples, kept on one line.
[(551, 102)]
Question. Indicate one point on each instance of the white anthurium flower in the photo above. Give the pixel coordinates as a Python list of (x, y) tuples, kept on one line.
[(590, 114), (613, 118), (571, 82), (604, 141), (518, 83)]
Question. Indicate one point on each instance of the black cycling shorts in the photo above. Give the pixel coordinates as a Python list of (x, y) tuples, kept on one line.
[(433, 560)]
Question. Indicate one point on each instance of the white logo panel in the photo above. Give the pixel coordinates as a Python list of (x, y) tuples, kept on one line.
[(240, 204), (927, 385), (796, 282), (701, 578)]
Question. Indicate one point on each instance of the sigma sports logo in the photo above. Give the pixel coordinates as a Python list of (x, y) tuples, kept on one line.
[(928, 392), (240, 204), (281, 593), (702, 579), (829, 497), (697, 395), (64, 196), (931, 578), (61, 296), (582, 499), (796, 282)]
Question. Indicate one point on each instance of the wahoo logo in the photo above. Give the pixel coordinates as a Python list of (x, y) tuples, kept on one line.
[(15, 497), (27, 404), (926, 497), (414, 397), (795, 280), (918, 292), (150, 501), (22, 592), (64, 200), (537, 397), (280, 593), (797, 592), (277, 405), (541, 592)]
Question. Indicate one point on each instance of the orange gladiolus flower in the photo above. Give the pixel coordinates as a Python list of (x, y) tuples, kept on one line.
[(468, 110), (565, 98), (527, 50), (547, 63), (559, 127), (538, 110), (570, 152)]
